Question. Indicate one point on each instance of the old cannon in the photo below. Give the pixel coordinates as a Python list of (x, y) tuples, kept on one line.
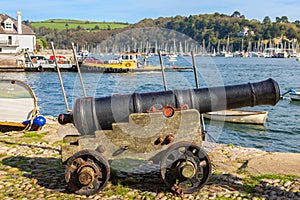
[(163, 127)]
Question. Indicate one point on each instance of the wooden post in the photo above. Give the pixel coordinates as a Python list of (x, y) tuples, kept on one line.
[(203, 130), (162, 71), (60, 79), (78, 70)]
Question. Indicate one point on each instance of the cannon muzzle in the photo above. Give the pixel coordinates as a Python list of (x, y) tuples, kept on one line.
[(91, 114)]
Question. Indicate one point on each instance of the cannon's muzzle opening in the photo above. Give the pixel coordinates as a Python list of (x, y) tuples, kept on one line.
[(65, 118)]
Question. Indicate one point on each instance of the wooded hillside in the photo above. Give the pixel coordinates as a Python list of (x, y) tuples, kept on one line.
[(209, 29)]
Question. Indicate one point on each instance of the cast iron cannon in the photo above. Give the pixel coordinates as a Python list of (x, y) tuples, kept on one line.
[(163, 127)]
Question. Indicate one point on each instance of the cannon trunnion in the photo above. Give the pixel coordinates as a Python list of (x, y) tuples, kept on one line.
[(161, 127)]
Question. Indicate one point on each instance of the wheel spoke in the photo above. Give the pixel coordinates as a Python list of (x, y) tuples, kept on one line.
[(195, 180), (77, 162)]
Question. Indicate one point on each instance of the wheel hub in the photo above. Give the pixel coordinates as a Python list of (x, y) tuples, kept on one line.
[(86, 175), (87, 172), (187, 169)]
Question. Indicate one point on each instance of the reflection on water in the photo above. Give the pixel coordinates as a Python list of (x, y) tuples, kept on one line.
[(295, 103), (280, 133)]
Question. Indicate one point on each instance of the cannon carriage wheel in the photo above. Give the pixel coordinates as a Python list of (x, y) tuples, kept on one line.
[(185, 167), (87, 172)]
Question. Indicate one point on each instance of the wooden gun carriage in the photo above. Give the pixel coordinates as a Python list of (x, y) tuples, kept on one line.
[(163, 127)]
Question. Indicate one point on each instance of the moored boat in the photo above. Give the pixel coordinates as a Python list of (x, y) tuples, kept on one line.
[(178, 69), (18, 107), (238, 116), (40, 63), (294, 95), (126, 62)]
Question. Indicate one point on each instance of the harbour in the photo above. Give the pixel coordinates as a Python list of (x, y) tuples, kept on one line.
[(280, 132), (203, 106)]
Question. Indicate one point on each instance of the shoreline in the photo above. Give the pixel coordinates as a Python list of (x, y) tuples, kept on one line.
[(30, 168)]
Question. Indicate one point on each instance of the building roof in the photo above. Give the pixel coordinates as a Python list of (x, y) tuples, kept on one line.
[(26, 30)]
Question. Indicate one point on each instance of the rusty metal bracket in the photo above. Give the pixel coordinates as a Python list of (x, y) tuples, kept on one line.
[(167, 110)]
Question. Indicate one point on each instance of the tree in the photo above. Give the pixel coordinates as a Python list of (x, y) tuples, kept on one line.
[(209, 27), (297, 22), (236, 28), (284, 19), (292, 33), (267, 35), (278, 19), (44, 43), (236, 14), (267, 20)]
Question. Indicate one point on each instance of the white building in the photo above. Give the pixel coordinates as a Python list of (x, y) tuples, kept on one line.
[(15, 36)]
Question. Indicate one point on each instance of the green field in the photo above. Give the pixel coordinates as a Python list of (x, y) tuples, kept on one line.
[(60, 24)]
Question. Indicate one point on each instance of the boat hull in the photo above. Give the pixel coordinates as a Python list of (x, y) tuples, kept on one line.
[(107, 69), (50, 68), (18, 106), (238, 116), (295, 97)]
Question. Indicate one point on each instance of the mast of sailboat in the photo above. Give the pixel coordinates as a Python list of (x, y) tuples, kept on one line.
[(185, 47), (174, 46), (180, 49), (227, 44), (155, 50), (242, 49)]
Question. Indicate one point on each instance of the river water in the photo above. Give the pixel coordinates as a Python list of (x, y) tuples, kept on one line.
[(280, 133)]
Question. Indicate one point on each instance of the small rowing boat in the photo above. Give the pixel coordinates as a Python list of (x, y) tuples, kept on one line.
[(238, 116), (294, 95)]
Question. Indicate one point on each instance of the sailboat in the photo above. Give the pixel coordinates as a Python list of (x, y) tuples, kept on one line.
[(225, 52)]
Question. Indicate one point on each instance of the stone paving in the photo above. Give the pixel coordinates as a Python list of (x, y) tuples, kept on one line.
[(30, 168)]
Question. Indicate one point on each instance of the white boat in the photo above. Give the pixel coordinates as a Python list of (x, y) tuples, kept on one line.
[(172, 57), (18, 107), (238, 116), (40, 63), (225, 54), (294, 95)]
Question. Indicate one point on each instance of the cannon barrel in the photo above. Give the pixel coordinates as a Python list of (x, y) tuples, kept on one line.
[(91, 114)]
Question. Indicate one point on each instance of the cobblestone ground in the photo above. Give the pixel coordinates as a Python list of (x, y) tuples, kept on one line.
[(30, 168)]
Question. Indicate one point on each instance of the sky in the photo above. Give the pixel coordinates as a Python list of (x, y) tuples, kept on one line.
[(133, 11)]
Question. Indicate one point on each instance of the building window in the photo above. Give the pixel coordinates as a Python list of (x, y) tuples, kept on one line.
[(9, 40), (8, 25)]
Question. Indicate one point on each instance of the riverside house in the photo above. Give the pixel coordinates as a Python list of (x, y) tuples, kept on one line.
[(15, 36)]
